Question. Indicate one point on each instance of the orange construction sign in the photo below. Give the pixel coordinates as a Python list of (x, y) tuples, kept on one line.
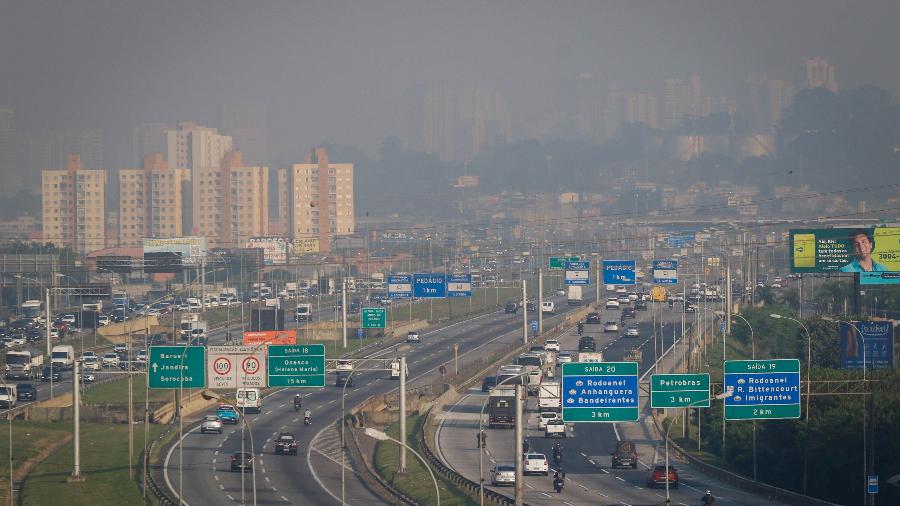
[(270, 337)]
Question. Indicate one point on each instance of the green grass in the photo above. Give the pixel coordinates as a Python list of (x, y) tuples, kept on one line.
[(116, 392), (416, 483), (104, 460), (28, 438)]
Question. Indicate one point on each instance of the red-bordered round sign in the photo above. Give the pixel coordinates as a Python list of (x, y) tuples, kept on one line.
[(250, 365), (222, 366)]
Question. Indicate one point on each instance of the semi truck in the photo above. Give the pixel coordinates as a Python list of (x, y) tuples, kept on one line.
[(187, 321), (502, 408), (574, 297), (23, 364)]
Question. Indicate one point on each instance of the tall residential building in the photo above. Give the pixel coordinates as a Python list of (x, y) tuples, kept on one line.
[(148, 138), (73, 207), (151, 201), (676, 102), (196, 148), (316, 199), (630, 107), (820, 74), (233, 202), (9, 154), (247, 125)]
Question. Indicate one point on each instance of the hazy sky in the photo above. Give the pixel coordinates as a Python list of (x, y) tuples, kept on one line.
[(343, 71)]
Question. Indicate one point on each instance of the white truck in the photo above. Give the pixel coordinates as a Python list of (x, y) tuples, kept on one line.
[(303, 313), (187, 324), (290, 290), (23, 364), (590, 356), (574, 298), (548, 307), (198, 333), (549, 396), (8, 396), (63, 356), (248, 400)]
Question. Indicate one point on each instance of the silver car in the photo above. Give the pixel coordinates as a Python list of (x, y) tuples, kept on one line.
[(503, 474), (211, 423)]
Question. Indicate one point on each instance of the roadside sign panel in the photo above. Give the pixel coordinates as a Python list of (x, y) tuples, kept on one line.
[(619, 272), (296, 366), (665, 272), (679, 390), (762, 389), (430, 286), (872, 484), (270, 337), (578, 273), (374, 317), (400, 287), (459, 285), (232, 367), (878, 338), (560, 262), (600, 392), (177, 367)]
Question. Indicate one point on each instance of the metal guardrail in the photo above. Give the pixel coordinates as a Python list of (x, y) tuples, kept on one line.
[(154, 487)]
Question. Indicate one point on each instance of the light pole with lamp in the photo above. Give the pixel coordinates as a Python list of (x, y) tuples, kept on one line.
[(721, 396), (381, 436), (752, 356), (481, 431), (209, 395)]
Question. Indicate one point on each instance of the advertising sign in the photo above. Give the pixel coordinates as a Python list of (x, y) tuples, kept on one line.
[(304, 246), (665, 272), (275, 249), (878, 338), (399, 287), (270, 337), (459, 285), (600, 392), (231, 367), (762, 389), (870, 249), (192, 249), (619, 272), (430, 286)]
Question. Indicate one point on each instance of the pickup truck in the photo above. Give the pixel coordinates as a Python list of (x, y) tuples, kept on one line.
[(555, 428)]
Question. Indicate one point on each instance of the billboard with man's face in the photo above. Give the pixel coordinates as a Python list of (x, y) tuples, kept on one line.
[(872, 251)]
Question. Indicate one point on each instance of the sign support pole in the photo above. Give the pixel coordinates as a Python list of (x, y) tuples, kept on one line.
[(402, 468), (524, 312), (540, 307), (344, 311), (520, 479)]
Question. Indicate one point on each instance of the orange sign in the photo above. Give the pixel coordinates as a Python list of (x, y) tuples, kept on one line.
[(270, 337)]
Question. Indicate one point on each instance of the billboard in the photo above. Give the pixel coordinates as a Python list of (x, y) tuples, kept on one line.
[(275, 249), (868, 249), (878, 338), (191, 249), (304, 246), (270, 337)]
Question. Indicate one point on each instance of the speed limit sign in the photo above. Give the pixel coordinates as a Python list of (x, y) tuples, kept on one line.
[(222, 365), (231, 367)]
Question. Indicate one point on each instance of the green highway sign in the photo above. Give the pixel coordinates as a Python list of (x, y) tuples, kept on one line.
[(762, 389), (679, 390), (374, 317), (560, 262), (600, 392), (177, 367), (301, 365)]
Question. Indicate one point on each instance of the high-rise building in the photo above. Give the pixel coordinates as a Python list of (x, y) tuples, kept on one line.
[(761, 101), (148, 138), (151, 201), (630, 107), (316, 199), (247, 125), (73, 207), (485, 115), (233, 202), (820, 74), (676, 102)]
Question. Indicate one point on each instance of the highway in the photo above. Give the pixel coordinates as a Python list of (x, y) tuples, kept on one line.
[(314, 476), (586, 454)]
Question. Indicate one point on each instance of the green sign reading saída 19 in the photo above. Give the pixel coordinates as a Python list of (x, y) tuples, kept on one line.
[(679, 390)]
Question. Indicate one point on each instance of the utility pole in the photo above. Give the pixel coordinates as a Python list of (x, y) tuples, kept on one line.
[(540, 306), (402, 468), (728, 300), (344, 310), (524, 312), (520, 478), (76, 405)]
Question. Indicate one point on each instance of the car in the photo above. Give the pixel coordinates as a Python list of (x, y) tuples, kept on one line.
[(103, 320), (530, 307), (211, 423), (621, 290), (142, 356), (68, 318), (689, 308), (285, 443), (110, 359), (624, 455), (241, 461), (551, 345), (657, 477), (228, 414), (563, 357), (488, 383), (560, 293), (594, 318), (511, 308), (412, 337), (546, 416), (555, 428), (587, 344), (503, 474), (633, 296), (632, 331), (612, 304), (51, 372), (623, 299), (535, 463), (640, 305), (120, 348), (344, 365), (611, 326), (26, 392), (343, 378), (629, 312), (88, 376)]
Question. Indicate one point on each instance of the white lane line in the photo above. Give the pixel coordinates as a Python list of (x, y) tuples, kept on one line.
[(295, 420), (216, 476), (267, 478), (309, 449), (529, 485), (229, 497), (583, 455), (332, 401), (604, 471), (215, 452), (620, 479), (269, 412), (282, 405), (545, 494), (592, 462), (568, 503), (166, 465), (274, 489), (221, 487), (285, 499)]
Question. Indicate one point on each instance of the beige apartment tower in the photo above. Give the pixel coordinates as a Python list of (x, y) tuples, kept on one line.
[(73, 207), (316, 199), (151, 201), (233, 202)]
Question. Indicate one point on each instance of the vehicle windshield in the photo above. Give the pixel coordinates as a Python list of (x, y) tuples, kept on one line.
[(59, 354), (535, 361), (17, 359), (249, 395)]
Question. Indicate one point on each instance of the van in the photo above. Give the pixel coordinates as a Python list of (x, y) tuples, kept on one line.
[(63, 356), (8, 396), (248, 400), (548, 307)]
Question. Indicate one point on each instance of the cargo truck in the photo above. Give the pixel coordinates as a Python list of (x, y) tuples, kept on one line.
[(502, 408), (186, 326), (574, 297), (23, 364), (63, 356), (590, 356), (303, 313), (549, 397), (8, 396)]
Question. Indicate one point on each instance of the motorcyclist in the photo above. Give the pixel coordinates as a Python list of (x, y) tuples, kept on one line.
[(525, 445), (298, 402), (481, 439), (557, 454), (559, 482), (707, 499), (307, 416)]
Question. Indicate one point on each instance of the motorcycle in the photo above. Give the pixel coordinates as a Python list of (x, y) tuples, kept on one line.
[(558, 484), (307, 421)]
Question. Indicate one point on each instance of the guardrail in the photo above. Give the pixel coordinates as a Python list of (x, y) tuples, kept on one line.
[(153, 487)]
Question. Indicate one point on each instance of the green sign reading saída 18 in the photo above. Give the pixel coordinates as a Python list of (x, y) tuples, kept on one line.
[(374, 317), (679, 390), (300, 365)]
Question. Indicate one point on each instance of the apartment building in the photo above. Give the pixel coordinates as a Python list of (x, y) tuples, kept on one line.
[(73, 207), (152, 201), (232, 202)]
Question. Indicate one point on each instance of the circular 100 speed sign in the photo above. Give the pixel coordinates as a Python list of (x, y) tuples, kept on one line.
[(222, 366)]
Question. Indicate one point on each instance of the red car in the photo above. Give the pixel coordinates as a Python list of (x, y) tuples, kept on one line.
[(61, 326), (657, 477)]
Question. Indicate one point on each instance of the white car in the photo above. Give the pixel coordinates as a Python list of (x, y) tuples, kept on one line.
[(563, 357), (412, 337), (611, 327), (632, 296), (503, 474), (632, 331), (546, 416), (551, 345), (90, 363), (612, 304), (560, 293), (622, 290), (535, 463), (110, 359), (623, 299), (344, 365)]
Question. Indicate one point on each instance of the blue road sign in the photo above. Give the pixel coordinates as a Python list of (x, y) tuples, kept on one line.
[(534, 325), (430, 286), (722, 327), (600, 392), (762, 389), (665, 272), (459, 285), (619, 272), (359, 333), (578, 273), (872, 484), (400, 287)]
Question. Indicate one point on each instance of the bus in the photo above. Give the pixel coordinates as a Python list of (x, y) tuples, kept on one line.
[(32, 309)]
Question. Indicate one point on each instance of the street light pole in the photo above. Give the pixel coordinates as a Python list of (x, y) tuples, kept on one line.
[(753, 356), (381, 436), (209, 394)]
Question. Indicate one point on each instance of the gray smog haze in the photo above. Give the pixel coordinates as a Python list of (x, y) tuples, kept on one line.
[(345, 72)]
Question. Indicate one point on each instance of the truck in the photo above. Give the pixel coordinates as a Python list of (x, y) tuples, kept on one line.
[(8, 396), (198, 333), (32, 309), (290, 290), (303, 313), (502, 408), (62, 356), (590, 356), (248, 400), (574, 298), (23, 364), (187, 321), (549, 396)]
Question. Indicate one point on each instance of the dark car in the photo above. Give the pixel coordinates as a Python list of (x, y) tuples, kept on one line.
[(34, 335), (48, 370), (488, 383), (625, 455), (587, 343), (285, 443), (511, 308), (593, 319), (657, 477), (343, 377), (640, 305), (157, 339), (241, 461), (531, 307), (629, 312), (26, 392)]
